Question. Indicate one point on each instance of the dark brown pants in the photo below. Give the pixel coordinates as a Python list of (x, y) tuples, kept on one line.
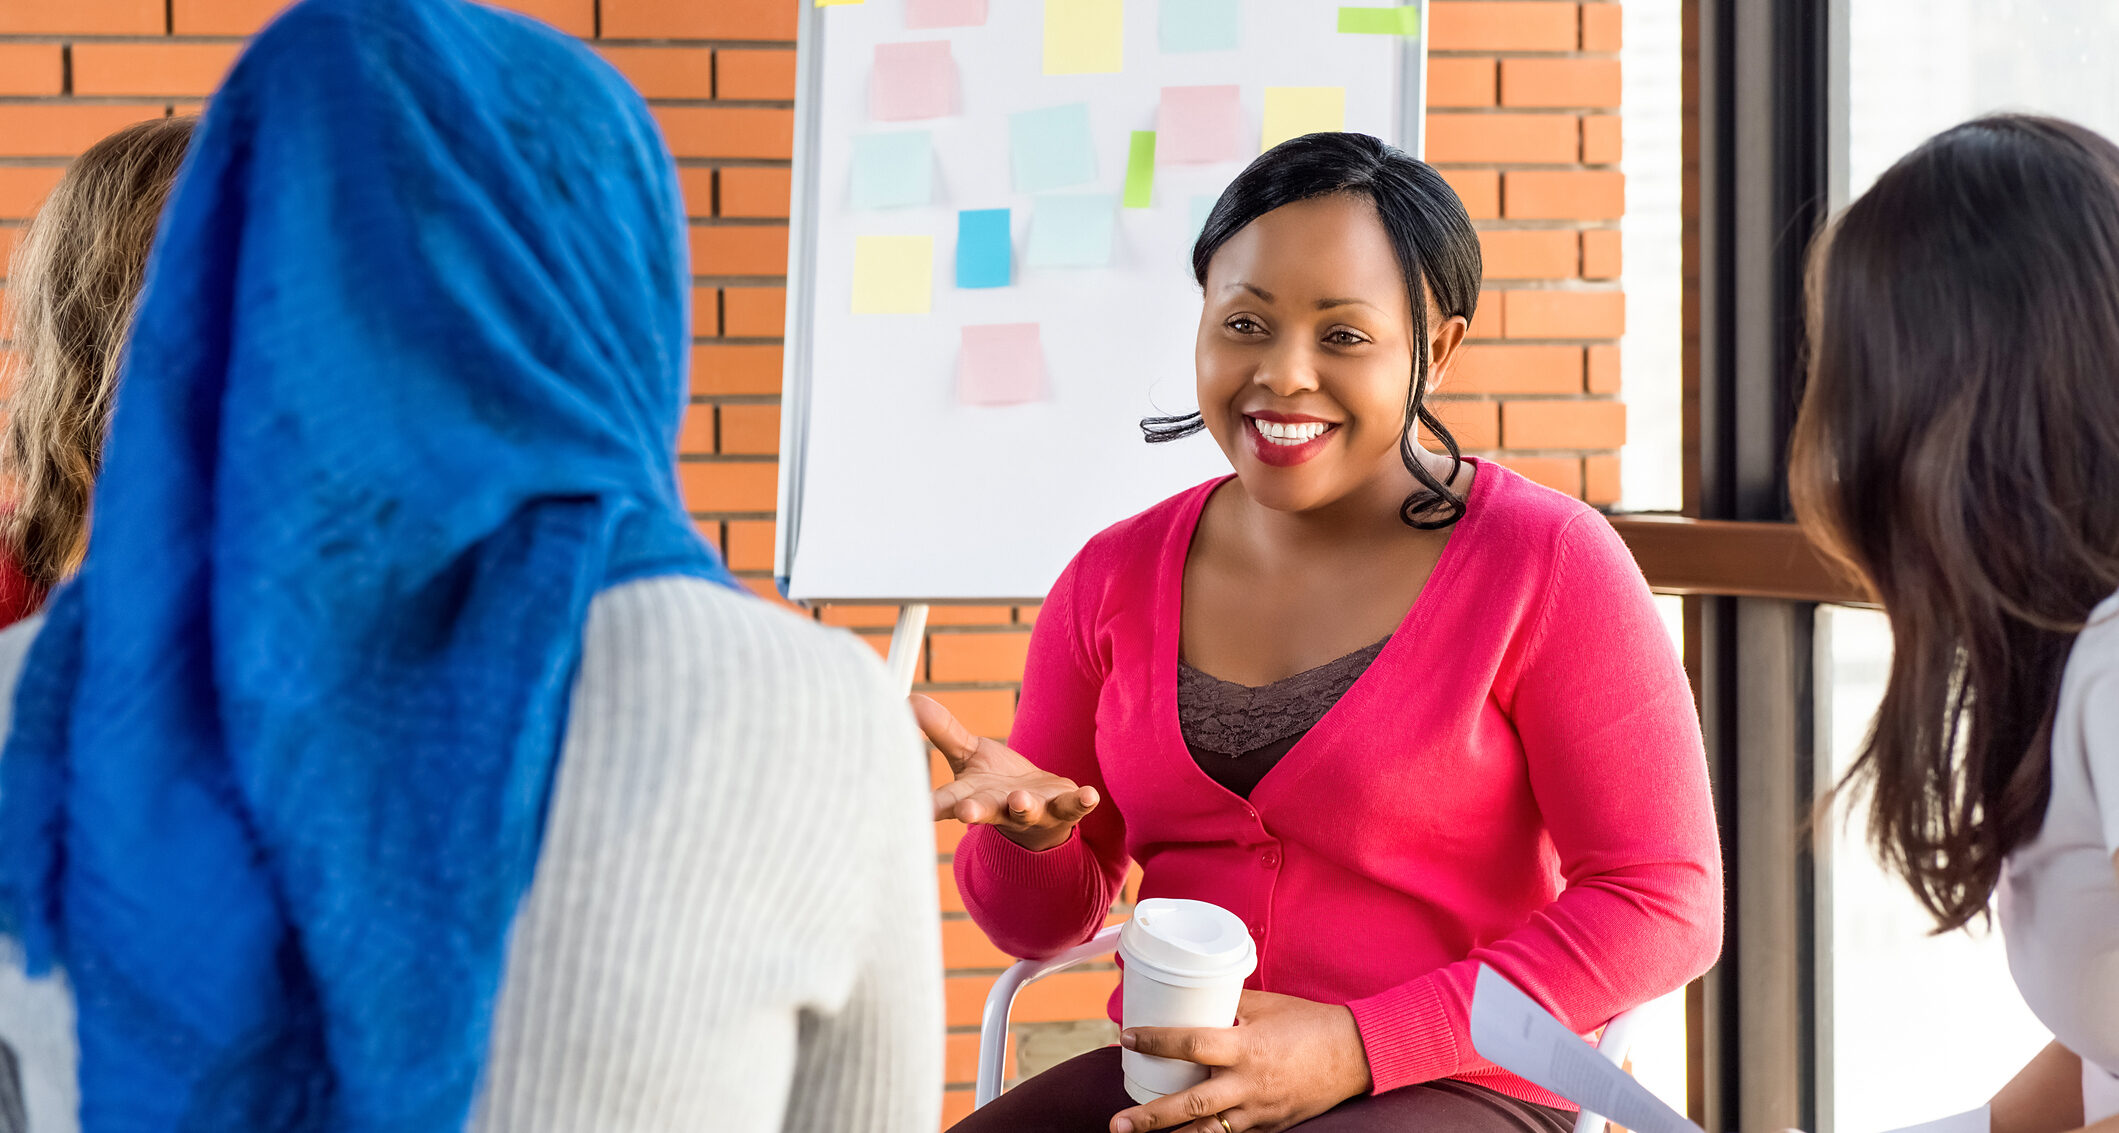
[(1081, 1094)]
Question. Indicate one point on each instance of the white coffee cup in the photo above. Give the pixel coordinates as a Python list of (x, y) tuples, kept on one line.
[(1185, 966)]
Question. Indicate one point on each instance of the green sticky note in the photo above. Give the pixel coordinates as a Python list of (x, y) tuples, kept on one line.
[(1380, 21), (1140, 170), (893, 275), (1291, 112)]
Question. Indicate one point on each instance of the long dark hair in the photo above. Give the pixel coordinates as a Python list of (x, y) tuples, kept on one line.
[(1959, 448), (1436, 247)]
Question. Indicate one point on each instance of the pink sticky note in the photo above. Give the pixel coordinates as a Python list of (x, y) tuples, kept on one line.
[(945, 13), (1003, 364), (912, 80), (1199, 124)]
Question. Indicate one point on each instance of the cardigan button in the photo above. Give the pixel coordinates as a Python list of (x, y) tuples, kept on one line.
[(1270, 859)]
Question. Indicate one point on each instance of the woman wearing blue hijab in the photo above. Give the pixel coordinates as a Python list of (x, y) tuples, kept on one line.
[(402, 757)]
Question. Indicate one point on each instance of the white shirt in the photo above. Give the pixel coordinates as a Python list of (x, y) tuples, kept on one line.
[(732, 924), (2059, 897)]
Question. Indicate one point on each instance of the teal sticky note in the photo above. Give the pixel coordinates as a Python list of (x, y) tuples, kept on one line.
[(1380, 21), (1072, 230), (893, 170), (1051, 148), (1201, 208), (1187, 26), (1140, 170), (983, 252)]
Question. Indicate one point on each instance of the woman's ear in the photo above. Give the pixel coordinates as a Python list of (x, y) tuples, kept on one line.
[(1446, 336)]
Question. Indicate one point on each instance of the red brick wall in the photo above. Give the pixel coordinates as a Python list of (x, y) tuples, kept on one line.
[(1524, 121)]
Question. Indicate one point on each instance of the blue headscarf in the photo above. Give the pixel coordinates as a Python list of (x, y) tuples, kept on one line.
[(403, 396)]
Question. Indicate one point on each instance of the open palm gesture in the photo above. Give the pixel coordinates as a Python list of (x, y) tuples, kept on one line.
[(996, 786)]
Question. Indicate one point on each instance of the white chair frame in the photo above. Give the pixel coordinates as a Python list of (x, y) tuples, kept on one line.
[(1614, 1045)]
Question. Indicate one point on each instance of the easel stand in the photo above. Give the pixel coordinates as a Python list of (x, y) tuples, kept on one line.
[(904, 659)]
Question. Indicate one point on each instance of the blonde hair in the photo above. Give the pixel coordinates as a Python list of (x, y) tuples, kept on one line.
[(73, 287)]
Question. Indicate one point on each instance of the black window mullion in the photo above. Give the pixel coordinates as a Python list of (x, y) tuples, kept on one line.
[(1760, 90)]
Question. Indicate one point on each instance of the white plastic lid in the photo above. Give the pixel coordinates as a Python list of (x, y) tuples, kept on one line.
[(1188, 940)]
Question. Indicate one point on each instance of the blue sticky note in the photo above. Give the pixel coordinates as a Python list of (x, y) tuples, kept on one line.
[(1051, 148), (893, 170), (1199, 25), (1201, 207), (983, 253), (1073, 230)]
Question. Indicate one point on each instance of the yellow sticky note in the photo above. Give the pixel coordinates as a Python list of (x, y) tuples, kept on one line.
[(1292, 112), (1085, 37), (893, 275)]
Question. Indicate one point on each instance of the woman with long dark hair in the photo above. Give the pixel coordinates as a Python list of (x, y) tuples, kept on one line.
[(1402, 712), (1958, 447)]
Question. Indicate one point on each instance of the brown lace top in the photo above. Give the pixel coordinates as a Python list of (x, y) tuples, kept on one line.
[(1238, 732)]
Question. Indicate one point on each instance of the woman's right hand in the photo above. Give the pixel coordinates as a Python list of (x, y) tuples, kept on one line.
[(997, 787)]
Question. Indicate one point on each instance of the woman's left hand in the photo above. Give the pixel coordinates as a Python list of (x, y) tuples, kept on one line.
[(1287, 1060)]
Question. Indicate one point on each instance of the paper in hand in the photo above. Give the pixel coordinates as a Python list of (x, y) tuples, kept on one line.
[(1510, 1030), (1971, 1121)]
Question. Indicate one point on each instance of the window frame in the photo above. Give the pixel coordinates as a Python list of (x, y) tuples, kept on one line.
[(1762, 79)]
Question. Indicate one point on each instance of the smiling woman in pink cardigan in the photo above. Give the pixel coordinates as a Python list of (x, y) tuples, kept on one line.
[(1403, 713)]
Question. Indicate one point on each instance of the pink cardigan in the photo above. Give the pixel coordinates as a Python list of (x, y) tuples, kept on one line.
[(1518, 780)]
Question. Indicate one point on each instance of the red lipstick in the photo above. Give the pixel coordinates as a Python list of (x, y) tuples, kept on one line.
[(1282, 453)]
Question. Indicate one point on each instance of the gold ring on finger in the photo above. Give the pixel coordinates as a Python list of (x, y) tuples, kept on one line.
[(1225, 1126)]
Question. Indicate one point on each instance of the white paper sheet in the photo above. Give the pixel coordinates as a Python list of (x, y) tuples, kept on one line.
[(1512, 1031), (1971, 1121)]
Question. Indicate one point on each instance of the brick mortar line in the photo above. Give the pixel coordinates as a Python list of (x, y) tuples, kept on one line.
[(1569, 283), (734, 163), (1500, 53), (1523, 111), (1548, 283), (1590, 284), (142, 100), (1443, 398), (730, 44), (1505, 454), (93, 38), (1543, 342), (1504, 53), (1527, 167), (725, 103), (98, 99), (1583, 111), (1545, 224)]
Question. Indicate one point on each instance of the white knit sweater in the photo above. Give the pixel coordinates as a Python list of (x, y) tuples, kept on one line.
[(732, 925)]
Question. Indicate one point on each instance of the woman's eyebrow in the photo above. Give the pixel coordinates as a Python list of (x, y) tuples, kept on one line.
[(1253, 288), (1324, 304)]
